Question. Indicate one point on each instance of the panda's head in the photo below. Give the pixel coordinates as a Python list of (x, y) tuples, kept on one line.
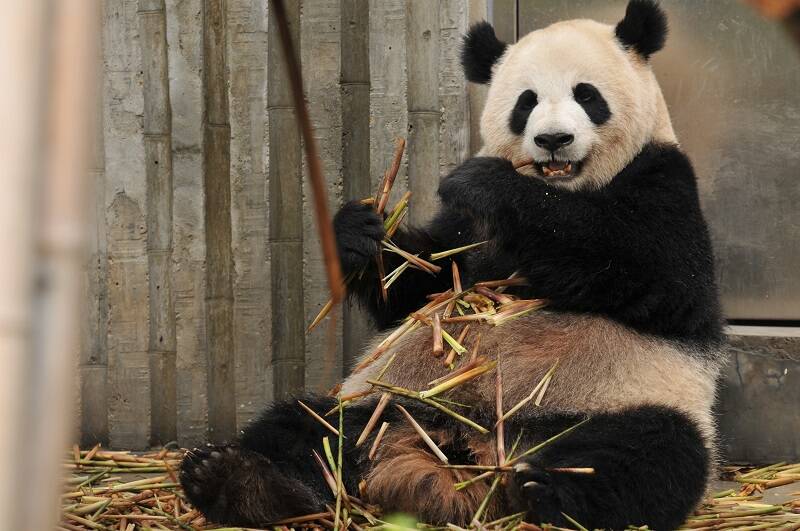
[(578, 97)]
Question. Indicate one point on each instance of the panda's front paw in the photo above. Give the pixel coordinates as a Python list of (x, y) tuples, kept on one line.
[(359, 230), (477, 183)]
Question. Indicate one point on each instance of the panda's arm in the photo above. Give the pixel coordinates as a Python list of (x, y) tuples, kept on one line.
[(408, 293), (636, 250)]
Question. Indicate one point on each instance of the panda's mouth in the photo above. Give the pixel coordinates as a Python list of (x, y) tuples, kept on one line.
[(558, 169)]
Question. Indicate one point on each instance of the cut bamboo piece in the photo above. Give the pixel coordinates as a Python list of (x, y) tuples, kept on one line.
[(425, 437), (415, 260), (378, 438), (391, 175), (373, 420), (476, 347), (456, 278), (461, 370), (500, 426), (458, 380), (451, 356), (326, 473), (438, 347), (531, 396), (441, 407), (319, 418), (451, 252)]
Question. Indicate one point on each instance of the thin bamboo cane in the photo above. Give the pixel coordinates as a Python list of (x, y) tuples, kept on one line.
[(324, 224)]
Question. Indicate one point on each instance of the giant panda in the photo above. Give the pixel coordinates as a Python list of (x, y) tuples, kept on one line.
[(606, 225)]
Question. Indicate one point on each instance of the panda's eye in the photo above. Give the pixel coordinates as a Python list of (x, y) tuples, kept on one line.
[(585, 93)]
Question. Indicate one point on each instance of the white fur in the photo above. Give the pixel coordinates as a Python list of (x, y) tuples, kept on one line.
[(551, 61)]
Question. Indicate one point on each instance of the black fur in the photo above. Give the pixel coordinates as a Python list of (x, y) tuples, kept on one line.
[(644, 27), (637, 250), (522, 110), (592, 102), (650, 465), (480, 52), (650, 469)]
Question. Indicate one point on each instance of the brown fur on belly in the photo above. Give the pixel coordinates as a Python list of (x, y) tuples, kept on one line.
[(406, 476)]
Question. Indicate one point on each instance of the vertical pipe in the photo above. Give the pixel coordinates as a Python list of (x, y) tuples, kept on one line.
[(158, 169), (424, 115), (355, 98), (216, 169), (285, 216)]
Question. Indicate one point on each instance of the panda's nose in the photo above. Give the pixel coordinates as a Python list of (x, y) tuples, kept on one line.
[(553, 141)]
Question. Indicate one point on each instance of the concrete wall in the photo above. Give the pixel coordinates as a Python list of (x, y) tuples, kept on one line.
[(205, 266)]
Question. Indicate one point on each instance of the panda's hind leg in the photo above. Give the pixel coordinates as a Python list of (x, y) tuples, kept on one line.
[(270, 473), (649, 466)]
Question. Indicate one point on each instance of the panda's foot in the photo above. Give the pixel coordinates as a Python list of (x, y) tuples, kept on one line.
[(232, 485)]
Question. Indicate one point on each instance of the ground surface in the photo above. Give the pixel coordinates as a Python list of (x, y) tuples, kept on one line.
[(128, 492)]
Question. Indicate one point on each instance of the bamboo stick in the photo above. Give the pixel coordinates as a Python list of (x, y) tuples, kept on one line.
[(425, 437), (391, 175), (324, 225), (376, 443), (319, 418), (373, 420), (438, 347)]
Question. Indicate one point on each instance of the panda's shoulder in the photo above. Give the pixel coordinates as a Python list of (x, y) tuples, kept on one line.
[(659, 165)]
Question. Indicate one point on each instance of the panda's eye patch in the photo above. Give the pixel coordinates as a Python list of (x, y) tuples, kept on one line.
[(522, 109), (592, 102), (584, 93)]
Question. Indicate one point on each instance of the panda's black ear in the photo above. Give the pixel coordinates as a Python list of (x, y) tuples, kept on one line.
[(644, 27), (481, 51)]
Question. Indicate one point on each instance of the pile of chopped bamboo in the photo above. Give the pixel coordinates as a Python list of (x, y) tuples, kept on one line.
[(126, 491)]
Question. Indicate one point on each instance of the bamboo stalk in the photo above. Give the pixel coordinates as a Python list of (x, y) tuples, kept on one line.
[(480, 477), (549, 441), (419, 262), (500, 426), (376, 443), (476, 347), (451, 356), (438, 347), (421, 432), (324, 224), (458, 380), (319, 418), (413, 394), (528, 398), (451, 252), (515, 281), (461, 370), (456, 278), (390, 175), (572, 470), (373, 420)]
